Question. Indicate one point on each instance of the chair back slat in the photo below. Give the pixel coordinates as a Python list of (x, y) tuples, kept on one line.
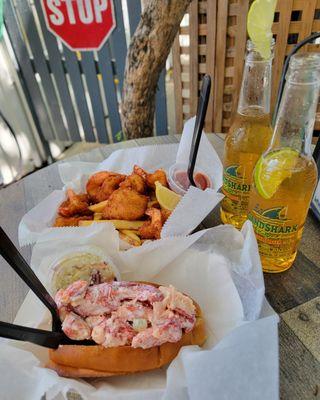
[(78, 94), (281, 30), (193, 57), (60, 77), (27, 72), (308, 12), (177, 84), (41, 67), (240, 33), (209, 53), (105, 66), (222, 89), (134, 12), (233, 63), (73, 69), (161, 106), (118, 43), (89, 68)]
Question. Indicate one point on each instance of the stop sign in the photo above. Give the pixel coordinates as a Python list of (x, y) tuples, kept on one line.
[(80, 24)]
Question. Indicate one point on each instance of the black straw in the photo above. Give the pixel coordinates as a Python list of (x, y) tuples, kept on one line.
[(198, 127), (296, 48)]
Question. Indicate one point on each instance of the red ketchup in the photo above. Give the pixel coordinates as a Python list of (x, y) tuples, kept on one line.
[(201, 180)]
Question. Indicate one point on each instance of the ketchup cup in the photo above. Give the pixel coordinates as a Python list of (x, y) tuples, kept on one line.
[(179, 181)]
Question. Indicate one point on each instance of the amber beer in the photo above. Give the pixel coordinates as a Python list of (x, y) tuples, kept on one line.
[(285, 176), (248, 138)]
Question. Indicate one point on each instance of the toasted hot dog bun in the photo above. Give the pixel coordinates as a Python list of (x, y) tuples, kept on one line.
[(97, 361)]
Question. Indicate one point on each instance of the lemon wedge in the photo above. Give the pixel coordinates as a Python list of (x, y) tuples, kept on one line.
[(272, 169), (166, 197), (259, 24)]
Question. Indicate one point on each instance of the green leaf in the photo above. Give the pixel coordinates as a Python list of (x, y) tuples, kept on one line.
[(118, 135)]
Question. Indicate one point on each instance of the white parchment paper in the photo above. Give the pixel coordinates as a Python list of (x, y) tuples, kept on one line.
[(220, 269), (192, 209)]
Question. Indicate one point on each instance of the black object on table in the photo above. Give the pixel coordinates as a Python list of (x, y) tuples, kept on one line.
[(13, 257), (198, 127), (38, 336), (49, 339)]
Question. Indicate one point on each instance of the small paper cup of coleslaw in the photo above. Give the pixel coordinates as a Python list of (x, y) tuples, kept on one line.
[(82, 265)]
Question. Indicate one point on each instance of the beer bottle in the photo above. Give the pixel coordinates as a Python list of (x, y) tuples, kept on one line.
[(285, 176), (248, 138)]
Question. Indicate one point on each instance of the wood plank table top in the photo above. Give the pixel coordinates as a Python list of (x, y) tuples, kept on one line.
[(294, 294)]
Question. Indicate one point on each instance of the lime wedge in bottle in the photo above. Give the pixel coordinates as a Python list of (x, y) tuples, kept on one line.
[(272, 169), (259, 24)]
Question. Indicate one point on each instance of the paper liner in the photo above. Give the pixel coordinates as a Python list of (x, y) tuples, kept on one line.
[(194, 207), (215, 267)]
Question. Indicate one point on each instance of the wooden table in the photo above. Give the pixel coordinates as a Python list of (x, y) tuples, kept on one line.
[(294, 294)]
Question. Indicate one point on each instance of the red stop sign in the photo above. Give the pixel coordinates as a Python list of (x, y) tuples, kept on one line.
[(80, 24)]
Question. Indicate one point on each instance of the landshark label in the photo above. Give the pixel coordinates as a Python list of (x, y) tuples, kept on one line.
[(275, 232), (236, 188)]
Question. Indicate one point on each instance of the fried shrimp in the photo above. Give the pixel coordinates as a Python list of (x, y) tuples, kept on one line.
[(140, 171), (135, 182), (70, 221), (152, 229), (102, 184), (165, 214), (125, 204), (75, 204), (150, 179), (129, 200)]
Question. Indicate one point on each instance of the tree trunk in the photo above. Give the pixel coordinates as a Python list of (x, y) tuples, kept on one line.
[(147, 54)]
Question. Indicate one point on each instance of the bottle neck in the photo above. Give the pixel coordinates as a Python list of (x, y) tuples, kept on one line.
[(256, 85), (296, 117)]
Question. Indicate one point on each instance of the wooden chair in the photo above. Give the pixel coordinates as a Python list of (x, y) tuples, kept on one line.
[(74, 96), (212, 39)]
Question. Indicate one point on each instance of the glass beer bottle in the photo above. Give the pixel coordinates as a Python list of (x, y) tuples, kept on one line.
[(285, 176), (248, 138)]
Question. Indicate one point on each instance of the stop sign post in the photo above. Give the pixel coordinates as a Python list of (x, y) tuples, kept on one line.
[(80, 24)]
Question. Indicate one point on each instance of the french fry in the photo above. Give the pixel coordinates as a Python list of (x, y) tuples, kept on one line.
[(122, 224), (131, 232), (99, 207), (133, 236), (135, 231), (118, 223), (87, 223), (129, 239)]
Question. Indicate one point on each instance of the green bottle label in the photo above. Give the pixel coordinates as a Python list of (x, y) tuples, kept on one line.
[(235, 188), (275, 232)]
